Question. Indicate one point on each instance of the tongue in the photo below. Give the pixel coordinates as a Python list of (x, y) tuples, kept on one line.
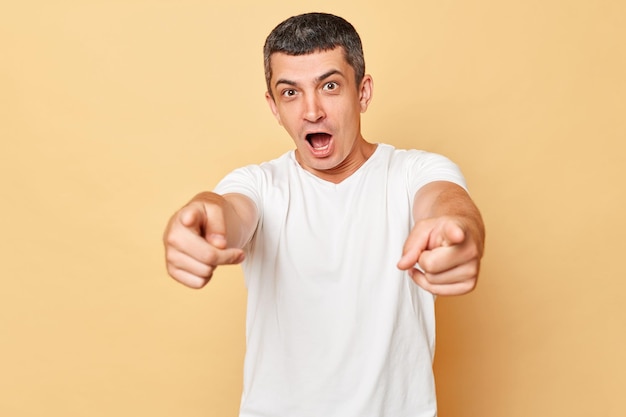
[(319, 140)]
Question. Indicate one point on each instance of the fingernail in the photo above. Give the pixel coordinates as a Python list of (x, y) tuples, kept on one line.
[(217, 237)]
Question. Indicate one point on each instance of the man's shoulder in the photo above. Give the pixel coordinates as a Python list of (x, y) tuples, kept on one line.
[(284, 160), (267, 172), (417, 163), (402, 155), (280, 162)]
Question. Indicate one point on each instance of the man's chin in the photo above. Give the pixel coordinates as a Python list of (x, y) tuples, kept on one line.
[(315, 163)]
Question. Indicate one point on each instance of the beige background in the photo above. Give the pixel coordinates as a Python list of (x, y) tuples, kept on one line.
[(114, 113)]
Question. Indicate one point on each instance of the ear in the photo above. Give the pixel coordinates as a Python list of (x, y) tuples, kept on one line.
[(273, 108), (365, 92)]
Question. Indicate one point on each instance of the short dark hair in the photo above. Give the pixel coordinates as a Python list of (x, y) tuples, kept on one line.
[(313, 32)]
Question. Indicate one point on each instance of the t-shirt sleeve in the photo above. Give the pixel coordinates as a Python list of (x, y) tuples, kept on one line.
[(246, 181), (426, 167)]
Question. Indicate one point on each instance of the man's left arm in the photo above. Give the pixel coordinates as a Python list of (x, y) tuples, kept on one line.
[(446, 242)]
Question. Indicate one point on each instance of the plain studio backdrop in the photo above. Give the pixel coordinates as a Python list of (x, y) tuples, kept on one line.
[(115, 113)]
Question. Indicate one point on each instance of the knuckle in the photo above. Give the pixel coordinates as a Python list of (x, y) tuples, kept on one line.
[(171, 270), (171, 240), (196, 284), (171, 258), (169, 254), (466, 286), (177, 275), (427, 263), (206, 271), (209, 258), (472, 270)]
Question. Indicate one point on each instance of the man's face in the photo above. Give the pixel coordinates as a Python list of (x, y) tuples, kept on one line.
[(316, 99)]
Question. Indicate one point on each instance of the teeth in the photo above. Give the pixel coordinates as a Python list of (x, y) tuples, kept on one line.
[(319, 141)]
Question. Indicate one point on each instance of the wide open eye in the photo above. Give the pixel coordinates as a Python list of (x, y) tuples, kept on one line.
[(331, 86), (290, 92)]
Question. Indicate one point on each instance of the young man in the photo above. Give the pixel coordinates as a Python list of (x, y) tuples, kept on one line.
[(344, 243)]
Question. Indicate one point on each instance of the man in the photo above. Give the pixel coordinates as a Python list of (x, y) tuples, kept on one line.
[(344, 243)]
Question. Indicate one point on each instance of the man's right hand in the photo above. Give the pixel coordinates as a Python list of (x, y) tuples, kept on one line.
[(195, 241)]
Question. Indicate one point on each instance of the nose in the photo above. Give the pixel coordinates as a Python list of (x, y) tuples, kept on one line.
[(313, 111)]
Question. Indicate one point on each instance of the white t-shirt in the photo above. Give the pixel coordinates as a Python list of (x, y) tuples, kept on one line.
[(334, 329)]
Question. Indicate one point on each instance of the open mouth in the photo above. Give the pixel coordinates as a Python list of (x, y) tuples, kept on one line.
[(318, 140)]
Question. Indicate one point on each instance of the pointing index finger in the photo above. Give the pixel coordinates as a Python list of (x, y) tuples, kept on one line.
[(451, 234), (415, 244), (215, 230)]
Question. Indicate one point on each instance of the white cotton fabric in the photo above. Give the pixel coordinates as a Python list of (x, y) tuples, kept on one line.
[(334, 329)]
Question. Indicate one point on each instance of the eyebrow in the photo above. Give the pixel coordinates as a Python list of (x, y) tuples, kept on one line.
[(329, 74), (317, 79)]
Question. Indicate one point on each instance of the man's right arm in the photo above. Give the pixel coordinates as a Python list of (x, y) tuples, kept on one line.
[(209, 231)]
